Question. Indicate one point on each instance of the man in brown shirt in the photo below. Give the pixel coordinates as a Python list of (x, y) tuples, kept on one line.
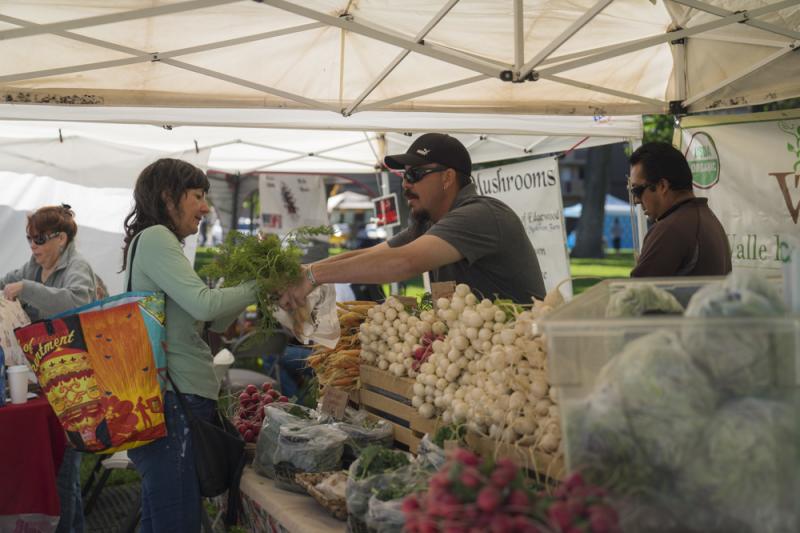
[(686, 239)]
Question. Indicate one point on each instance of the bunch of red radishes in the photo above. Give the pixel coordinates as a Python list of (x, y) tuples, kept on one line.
[(249, 413), (424, 349), (577, 507), (471, 495)]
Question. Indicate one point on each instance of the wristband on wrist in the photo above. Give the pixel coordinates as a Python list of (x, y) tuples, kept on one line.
[(310, 276)]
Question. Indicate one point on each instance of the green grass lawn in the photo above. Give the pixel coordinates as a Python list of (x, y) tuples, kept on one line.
[(595, 270), (591, 271)]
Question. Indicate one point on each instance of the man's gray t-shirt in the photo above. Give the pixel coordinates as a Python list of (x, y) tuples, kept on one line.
[(499, 260)]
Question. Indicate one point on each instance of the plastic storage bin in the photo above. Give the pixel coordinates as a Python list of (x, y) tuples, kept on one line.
[(691, 423)]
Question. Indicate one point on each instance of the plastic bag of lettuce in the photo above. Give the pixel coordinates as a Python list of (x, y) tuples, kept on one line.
[(642, 420), (739, 360), (743, 476)]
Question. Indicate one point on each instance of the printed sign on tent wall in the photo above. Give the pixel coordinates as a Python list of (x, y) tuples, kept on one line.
[(750, 173), (290, 202), (533, 190), (386, 212)]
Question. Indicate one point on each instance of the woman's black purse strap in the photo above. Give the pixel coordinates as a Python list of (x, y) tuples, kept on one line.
[(133, 253)]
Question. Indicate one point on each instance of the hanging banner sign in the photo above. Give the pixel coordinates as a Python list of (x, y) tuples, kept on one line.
[(533, 190), (748, 166), (386, 212), (289, 202)]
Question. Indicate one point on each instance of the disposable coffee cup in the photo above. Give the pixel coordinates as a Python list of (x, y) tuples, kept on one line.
[(18, 383)]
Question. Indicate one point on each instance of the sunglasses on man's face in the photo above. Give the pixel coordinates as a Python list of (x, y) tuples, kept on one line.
[(416, 174), (39, 240), (638, 190)]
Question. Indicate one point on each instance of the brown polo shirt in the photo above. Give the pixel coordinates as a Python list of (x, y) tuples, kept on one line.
[(687, 240)]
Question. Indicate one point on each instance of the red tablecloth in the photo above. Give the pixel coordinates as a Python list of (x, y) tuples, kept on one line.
[(32, 445)]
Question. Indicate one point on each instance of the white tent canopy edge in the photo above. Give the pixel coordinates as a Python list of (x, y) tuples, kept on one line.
[(566, 56)]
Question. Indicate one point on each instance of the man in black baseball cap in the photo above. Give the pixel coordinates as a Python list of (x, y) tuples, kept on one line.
[(456, 234)]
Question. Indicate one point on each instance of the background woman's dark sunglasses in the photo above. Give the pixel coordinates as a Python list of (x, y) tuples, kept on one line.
[(415, 174), (39, 240)]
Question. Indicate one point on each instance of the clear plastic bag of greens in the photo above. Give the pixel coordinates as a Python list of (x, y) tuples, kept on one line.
[(430, 454), (304, 449), (369, 473), (362, 431), (276, 416), (385, 516)]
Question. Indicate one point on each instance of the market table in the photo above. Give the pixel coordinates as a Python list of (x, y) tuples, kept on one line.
[(268, 508), (32, 445)]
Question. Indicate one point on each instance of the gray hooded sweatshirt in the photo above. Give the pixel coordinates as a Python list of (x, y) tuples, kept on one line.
[(71, 285)]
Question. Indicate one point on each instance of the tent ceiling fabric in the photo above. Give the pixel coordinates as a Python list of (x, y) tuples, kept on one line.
[(78, 148), (604, 57)]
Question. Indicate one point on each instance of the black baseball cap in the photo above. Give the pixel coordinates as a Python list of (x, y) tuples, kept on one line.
[(433, 148)]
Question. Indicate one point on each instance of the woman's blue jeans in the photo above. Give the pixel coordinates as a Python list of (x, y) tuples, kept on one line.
[(170, 490)]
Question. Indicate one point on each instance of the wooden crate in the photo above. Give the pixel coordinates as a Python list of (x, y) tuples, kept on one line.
[(543, 463), (389, 397)]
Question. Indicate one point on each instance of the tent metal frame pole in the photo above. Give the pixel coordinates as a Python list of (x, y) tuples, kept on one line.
[(566, 35), (400, 57), (172, 53), (380, 33), (746, 72), (123, 16), (613, 92), (678, 50), (140, 56), (504, 142), (529, 149), (766, 26), (252, 85), (430, 90), (647, 42), (519, 38), (473, 142)]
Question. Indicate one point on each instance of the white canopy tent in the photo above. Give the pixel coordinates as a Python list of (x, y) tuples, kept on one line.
[(481, 56), (93, 165)]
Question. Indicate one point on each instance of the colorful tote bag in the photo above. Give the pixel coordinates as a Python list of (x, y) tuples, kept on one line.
[(102, 367)]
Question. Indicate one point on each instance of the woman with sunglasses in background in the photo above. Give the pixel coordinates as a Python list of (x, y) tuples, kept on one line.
[(56, 279)]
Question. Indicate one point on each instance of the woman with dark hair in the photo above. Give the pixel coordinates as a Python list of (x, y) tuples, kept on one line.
[(56, 279), (170, 202)]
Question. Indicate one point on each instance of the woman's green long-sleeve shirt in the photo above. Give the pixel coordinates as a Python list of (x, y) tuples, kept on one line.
[(160, 265)]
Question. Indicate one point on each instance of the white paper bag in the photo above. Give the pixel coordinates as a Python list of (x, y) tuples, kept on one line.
[(12, 316)]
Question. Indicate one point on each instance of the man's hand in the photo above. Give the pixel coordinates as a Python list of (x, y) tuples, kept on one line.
[(295, 296), (12, 290)]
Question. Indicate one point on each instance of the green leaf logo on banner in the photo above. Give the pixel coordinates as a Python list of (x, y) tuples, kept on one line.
[(703, 159)]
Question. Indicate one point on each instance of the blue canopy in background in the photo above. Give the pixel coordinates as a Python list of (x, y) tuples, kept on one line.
[(615, 208)]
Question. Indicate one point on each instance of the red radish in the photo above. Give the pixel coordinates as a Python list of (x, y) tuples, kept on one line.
[(470, 479), (275, 394), (267, 400), (251, 389), (249, 435), (559, 515), (518, 499), (501, 524), (266, 386), (502, 476), (244, 398), (488, 499), (283, 399), (467, 457), (411, 503)]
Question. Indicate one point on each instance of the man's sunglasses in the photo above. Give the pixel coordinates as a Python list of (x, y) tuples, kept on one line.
[(39, 240), (416, 174), (638, 190)]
